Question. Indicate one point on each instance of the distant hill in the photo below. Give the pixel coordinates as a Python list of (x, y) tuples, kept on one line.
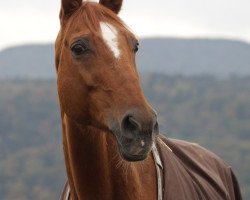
[(169, 55), (195, 56), (28, 61)]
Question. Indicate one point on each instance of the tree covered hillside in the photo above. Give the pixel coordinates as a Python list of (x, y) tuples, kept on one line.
[(212, 112)]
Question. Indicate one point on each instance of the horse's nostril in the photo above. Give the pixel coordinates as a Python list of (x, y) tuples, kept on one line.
[(129, 123), (139, 124), (135, 123)]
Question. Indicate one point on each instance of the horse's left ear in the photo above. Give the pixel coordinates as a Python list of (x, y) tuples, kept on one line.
[(114, 5), (68, 7)]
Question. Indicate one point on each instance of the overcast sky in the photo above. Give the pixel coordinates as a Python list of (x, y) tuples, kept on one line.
[(28, 21)]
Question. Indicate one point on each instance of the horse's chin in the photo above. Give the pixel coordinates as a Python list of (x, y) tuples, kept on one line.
[(133, 157)]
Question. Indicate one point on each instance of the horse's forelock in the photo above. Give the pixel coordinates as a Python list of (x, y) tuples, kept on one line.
[(91, 14)]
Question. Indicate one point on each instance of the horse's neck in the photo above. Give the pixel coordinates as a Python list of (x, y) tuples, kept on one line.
[(96, 171)]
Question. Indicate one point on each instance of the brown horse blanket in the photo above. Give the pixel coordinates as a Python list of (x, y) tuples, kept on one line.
[(194, 173), (191, 172)]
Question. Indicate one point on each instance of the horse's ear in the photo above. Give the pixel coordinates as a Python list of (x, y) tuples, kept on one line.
[(114, 5), (68, 7)]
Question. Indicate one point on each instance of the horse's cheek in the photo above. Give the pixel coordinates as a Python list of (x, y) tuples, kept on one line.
[(72, 97)]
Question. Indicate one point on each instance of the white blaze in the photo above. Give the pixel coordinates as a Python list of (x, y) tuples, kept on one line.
[(110, 34)]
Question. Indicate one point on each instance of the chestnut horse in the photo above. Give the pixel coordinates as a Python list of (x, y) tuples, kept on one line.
[(109, 128)]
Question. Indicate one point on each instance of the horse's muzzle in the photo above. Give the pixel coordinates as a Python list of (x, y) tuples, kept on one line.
[(136, 134)]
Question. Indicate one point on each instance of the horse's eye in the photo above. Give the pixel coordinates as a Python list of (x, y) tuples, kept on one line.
[(79, 47), (135, 46)]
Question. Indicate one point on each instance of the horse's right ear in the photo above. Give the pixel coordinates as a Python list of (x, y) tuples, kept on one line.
[(68, 7), (114, 5)]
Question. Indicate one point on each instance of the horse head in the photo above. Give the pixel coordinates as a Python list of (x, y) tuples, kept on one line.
[(98, 83)]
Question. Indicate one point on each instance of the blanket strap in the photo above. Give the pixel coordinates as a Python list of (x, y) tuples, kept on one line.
[(159, 170)]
